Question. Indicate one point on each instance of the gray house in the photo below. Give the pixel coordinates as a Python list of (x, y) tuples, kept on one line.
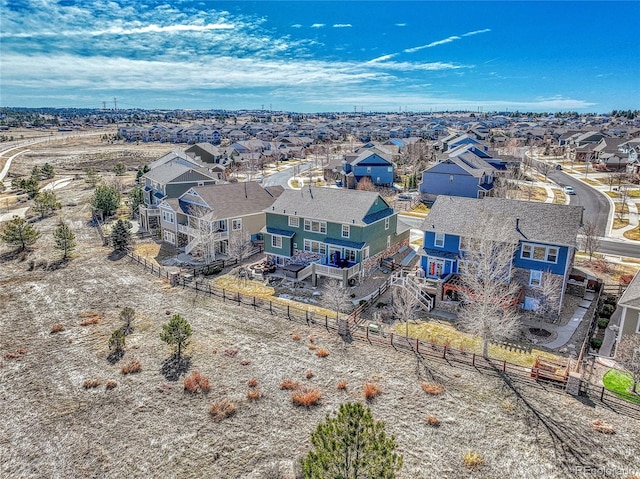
[(629, 310)]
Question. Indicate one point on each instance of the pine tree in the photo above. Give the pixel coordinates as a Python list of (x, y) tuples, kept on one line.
[(46, 202), (92, 178), (119, 169), (36, 173), (177, 332), (116, 342), (127, 314), (18, 232), (65, 239), (351, 446), (106, 199), (121, 235), (47, 171), (136, 199)]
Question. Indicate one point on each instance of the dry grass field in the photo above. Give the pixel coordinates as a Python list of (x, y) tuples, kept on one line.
[(68, 412)]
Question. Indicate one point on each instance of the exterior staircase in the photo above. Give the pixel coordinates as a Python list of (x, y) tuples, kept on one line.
[(413, 284)]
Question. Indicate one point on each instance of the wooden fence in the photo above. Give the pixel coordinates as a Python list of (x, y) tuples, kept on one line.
[(600, 395)]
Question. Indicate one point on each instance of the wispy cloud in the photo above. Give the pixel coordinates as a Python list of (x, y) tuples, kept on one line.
[(450, 39), (475, 32), (317, 25), (383, 58), (296, 25), (400, 24), (342, 25), (408, 66)]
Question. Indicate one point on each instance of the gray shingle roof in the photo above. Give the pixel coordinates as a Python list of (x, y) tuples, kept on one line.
[(167, 172), (237, 199), (496, 219), (327, 204)]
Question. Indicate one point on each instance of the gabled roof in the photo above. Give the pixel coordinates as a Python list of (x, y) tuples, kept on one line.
[(333, 205), (167, 172), (235, 199), (470, 164), (369, 156), (176, 156), (631, 296), (505, 220)]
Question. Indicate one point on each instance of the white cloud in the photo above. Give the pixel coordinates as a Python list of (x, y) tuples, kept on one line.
[(342, 25), (382, 58), (407, 66), (475, 32), (296, 25), (317, 25), (450, 39), (401, 24)]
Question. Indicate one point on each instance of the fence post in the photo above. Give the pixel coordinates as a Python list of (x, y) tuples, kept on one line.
[(270, 310), (602, 394), (504, 366), (224, 296), (239, 297), (417, 345), (288, 312), (391, 339), (473, 359), (326, 322), (306, 316), (367, 330), (254, 303), (145, 262), (444, 352), (209, 284)]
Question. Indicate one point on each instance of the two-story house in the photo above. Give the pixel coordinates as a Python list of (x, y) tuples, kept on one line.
[(330, 232), (211, 218), (465, 175), (543, 234), (629, 310), (368, 164)]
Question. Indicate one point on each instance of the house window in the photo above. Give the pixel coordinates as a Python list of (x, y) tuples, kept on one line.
[(236, 225), (540, 253), (169, 237), (386, 223), (350, 255), (315, 226), (535, 278), (276, 241), (315, 247), (200, 183), (365, 253), (294, 221), (388, 241), (167, 217), (345, 231), (450, 178), (368, 169), (439, 241), (389, 169)]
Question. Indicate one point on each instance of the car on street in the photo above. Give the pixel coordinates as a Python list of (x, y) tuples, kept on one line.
[(569, 190)]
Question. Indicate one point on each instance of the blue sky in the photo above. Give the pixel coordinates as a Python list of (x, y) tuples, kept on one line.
[(312, 56)]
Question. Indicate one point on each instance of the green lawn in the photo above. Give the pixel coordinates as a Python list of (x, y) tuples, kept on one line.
[(620, 383)]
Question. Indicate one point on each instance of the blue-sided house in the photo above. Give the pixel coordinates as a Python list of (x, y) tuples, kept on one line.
[(368, 164), (545, 235), (464, 175), (329, 232)]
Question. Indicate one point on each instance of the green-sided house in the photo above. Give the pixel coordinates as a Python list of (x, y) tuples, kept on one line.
[(328, 232)]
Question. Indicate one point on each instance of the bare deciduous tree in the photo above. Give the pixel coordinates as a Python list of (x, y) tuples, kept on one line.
[(488, 291), (239, 245), (405, 304), (549, 294), (545, 168), (335, 296), (590, 238), (628, 356), (622, 211), (204, 225)]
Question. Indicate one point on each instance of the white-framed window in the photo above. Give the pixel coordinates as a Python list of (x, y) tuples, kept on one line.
[(345, 231), (365, 253), (535, 278), (276, 241), (386, 223), (315, 226), (350, 255), (169, 237), (450, 178), (167, 216), (200, 183), (548, 254), (368, 169), (439, 240), (389, 169), (315, 246), (236, 224), (294, 221)]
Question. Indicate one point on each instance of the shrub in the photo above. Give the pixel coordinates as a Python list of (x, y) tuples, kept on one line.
[(222, 409), (289, 384), (603, 323), (56, 328), (245, 362), (611, 299), (433, 389), (432, 420), (602, 427), (90, 321), (110, 385), (230, 352), (91, 383), (197, 382), (342, 384), (607, 310), (253, 382), (313, 347), (132, 367), (306, 397), (322, 353), (472, 459), (309, 374), (625, 279), (371, 390), (311, 339), (596, 343), (254, 394), (21, 351), (295, 337)]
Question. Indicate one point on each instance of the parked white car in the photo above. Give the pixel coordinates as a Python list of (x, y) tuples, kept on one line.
[(569, 190)]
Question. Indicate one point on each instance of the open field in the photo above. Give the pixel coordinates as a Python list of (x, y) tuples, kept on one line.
[(147, 426)]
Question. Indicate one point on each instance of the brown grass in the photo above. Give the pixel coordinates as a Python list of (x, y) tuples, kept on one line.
[(306, 397), (602, 427), (252, 383), (619, 223), (289, 384), (17, 355), (56, 328), (371, 390), (432, 388), (633, 234), (245, 362), (91, 383), (132, 367), (197, 382), (222, 409), (472, 460), (322, 353), (89, 321), (254, 394), (110, 385), (432, 420), (230, 352), (342, 384), (309, 374), (313, 347), (295, 337)]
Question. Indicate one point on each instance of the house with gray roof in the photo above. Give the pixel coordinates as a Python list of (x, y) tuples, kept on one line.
[(628, 311), (545, 235), (329, 232), (207, 220)]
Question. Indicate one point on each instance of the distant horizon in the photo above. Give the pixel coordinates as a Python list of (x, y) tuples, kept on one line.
[(322, 56)]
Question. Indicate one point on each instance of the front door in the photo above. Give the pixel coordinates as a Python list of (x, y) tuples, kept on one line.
[(435, 268)]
